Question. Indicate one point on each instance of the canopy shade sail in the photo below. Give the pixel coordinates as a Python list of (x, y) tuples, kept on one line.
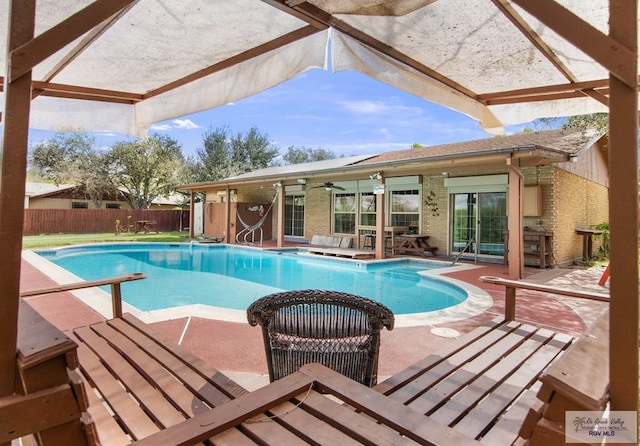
[(121, 65), (146, 61)]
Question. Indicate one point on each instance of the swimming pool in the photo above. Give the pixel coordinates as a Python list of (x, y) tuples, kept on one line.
[(233, 277)]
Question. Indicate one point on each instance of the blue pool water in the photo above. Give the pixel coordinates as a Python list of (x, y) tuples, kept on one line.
[(233, 277)]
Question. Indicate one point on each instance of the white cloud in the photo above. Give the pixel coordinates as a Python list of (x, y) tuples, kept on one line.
[(187, 124), (161, 127), (365, 107), (183, 124)]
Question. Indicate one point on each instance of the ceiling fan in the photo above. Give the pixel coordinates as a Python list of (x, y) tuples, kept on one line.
[(328, 186)]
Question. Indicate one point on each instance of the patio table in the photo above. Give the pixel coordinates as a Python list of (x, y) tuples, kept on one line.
[(389, 232), (414, 244), (146, 226)]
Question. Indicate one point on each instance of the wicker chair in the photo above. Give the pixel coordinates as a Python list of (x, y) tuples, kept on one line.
[(338, 330)]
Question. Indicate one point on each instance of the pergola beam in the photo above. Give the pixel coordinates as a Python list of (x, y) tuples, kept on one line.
[(623, 216), (259, 50), (15, 136), (26, 56), (519, 22), (313, 14), (618, 57)]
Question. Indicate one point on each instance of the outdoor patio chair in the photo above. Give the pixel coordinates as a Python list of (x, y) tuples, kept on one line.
[(338, 330)]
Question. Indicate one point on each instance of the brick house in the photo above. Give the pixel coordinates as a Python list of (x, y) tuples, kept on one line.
[(458, 194)]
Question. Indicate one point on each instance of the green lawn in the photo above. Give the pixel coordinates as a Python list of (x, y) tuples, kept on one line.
[(51, 240)]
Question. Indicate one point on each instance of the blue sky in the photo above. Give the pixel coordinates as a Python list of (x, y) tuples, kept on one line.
[(348, 113)]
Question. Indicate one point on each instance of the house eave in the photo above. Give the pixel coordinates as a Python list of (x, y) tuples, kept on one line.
[(527, 155)]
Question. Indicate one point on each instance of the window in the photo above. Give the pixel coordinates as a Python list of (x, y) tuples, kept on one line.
[(344, 213), (367, 209), (113, 205), (405, 208), (294, 215), (79, 205)]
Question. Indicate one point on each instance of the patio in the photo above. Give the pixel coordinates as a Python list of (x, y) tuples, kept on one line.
[(239, 352), (50, 47)]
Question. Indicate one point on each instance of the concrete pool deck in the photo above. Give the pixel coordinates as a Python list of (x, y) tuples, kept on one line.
[(237, 349)]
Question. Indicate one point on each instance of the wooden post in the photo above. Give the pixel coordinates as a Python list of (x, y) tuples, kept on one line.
[(380, 222), (280, 219), (514, 206), (227, 218), (510, 303), (623, 215), (192, 217), (12, 188), (116, 300)]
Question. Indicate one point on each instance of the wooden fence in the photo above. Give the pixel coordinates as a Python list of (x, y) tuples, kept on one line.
[(88, 221)]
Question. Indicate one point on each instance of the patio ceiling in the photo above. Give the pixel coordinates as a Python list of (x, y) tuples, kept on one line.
[(476, 57), (122, 65)]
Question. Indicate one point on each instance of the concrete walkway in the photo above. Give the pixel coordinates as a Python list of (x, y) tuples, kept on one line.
[(237, 348)]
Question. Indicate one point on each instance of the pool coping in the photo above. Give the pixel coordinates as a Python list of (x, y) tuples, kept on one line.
[(477, 302)]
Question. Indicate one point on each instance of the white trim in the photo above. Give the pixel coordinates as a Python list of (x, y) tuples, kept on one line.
[(295, 189), (481, 183)]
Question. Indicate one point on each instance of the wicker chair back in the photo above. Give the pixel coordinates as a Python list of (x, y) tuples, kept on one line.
[(338, 330)]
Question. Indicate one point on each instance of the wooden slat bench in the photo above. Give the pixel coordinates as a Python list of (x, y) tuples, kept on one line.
[(579, 382), (145, 382), (485, 383), (116, 382), (481, 384)]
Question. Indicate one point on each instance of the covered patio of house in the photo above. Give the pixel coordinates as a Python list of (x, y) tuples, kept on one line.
[(122, 65)]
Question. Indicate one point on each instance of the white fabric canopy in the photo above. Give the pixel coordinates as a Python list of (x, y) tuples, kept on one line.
[(160, 59)]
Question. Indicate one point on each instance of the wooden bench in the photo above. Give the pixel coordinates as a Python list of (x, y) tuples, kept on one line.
[(342, 252), (113, 382), (577, 382), (484, 384), (44, 403), (139, 382), (332, 241)]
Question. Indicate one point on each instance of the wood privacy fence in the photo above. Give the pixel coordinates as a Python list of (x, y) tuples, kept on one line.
[(88, 221)]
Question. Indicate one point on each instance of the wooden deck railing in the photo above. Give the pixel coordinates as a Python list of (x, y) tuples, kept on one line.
[(512, 285), (116, 293)]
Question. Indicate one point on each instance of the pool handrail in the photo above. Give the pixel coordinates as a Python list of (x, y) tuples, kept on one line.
[(511, 286), (116, 293)]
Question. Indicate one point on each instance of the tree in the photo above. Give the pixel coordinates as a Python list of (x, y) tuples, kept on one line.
[(298, 155), (223, 155), (596, 121), (147, 168), (71, 158)]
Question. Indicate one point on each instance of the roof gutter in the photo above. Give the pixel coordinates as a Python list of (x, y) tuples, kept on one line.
[(364, 168)]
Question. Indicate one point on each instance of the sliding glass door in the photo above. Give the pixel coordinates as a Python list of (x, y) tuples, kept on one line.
[(294, 215), (479, 218)]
